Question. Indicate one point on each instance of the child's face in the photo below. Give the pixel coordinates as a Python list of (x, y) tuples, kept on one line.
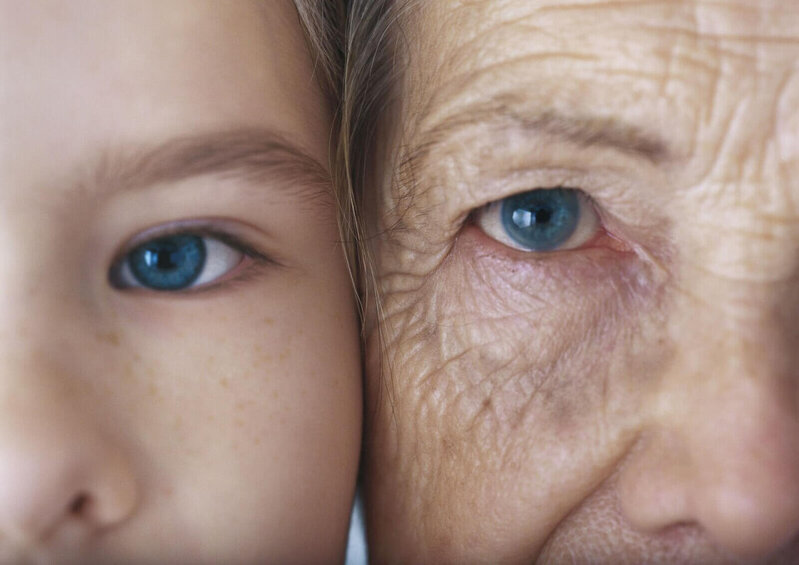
[(172, 146)]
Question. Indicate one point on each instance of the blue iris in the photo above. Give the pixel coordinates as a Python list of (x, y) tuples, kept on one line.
[(541, 219), (168, 263)]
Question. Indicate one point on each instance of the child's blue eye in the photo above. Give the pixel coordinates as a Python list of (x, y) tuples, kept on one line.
[(544, 219), (175, 262)]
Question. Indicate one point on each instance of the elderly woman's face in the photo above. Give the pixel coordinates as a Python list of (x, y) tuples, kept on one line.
[(589, 270)]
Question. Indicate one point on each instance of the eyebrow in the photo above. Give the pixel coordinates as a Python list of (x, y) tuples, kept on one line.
[(251, 154), (580, 130)]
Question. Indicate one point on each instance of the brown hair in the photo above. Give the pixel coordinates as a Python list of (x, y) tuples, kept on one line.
[(353, 45), (368, 93), (323, 22), (324, 25), (370, 89)]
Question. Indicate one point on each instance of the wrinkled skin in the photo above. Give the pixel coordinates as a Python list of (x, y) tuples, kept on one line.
[(632, 400), (213, 426)]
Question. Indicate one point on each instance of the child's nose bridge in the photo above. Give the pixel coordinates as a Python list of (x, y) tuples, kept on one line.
[(44, 251)]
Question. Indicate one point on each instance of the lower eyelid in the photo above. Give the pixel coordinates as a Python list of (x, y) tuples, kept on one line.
[(546, 272), (602, 241)]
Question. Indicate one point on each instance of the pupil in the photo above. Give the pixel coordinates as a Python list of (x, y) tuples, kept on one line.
[(542, 216), (163, 259), (166, 260)]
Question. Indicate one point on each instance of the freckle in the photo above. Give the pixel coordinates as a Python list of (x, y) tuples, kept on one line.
[(210, 360), (239, 423), (224, 382), (153, 390), (127, 372), (258, 363), (268, 321), (109, 337)]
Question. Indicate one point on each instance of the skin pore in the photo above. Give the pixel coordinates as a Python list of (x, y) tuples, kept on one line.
[(217, 423), (629, 398)]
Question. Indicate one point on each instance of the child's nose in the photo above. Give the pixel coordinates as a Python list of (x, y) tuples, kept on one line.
[(61, 480)]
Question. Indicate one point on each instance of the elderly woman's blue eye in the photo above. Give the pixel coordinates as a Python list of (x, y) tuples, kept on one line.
[(175, 262), (543, 219)]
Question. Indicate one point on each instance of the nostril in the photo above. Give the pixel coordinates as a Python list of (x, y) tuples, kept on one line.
[(79, 504)]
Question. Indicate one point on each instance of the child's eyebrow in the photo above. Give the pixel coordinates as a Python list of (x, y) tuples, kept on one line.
[(253, 154)]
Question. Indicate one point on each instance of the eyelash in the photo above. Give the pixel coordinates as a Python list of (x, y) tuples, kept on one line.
[(248, 266)]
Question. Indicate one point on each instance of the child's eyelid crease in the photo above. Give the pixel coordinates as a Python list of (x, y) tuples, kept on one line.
[(201, 230)]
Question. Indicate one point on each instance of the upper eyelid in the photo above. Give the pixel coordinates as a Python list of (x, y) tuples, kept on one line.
[(616, 195), (501, 117), (207, 227), (495, 158), (597, 189)]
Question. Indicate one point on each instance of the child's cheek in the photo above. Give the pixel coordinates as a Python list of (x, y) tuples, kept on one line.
[(257, 387)]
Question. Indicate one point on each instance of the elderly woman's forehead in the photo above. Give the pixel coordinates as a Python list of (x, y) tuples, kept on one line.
[(451, 42), (659, 65), (743, 19)]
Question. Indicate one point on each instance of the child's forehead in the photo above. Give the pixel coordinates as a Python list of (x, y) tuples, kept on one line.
[(77, 79)]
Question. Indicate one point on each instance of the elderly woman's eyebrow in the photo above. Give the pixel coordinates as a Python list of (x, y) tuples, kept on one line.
[(578, 129), (251, 154)]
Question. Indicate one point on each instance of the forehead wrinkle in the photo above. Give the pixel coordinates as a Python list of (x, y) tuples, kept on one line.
[(465, 64), (486, 40)]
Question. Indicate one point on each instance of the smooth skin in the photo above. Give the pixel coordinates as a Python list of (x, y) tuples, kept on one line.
[(211, 425), (634, 399)]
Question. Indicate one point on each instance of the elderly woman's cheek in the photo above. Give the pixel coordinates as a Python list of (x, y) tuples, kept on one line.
[(495, 340)]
